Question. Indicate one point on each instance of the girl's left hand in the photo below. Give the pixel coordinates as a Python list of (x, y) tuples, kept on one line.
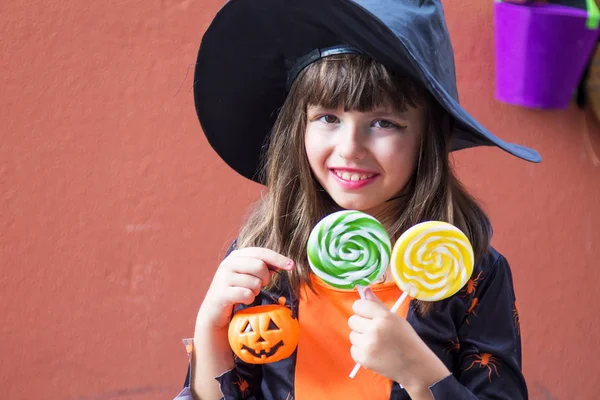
[(387, 344)]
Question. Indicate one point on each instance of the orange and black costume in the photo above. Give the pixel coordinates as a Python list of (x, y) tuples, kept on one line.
[(475, 333)]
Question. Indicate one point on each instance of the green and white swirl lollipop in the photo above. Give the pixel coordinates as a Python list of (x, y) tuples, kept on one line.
[(349, 249)]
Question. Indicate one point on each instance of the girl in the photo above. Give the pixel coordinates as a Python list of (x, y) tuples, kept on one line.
[(337, 104)]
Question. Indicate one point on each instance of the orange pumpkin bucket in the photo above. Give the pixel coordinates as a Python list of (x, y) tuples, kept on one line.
[(263, 334)]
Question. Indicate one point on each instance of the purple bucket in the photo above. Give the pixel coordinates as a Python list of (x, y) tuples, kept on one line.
[(541, 53)]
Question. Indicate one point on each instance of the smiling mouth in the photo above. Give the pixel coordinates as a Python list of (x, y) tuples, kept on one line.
[(265, 352), (352, 176)]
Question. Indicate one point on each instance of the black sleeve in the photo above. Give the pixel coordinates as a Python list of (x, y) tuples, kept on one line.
[(489, 359), (241, 382)]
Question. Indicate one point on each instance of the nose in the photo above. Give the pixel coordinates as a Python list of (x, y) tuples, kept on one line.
[(351, 144)]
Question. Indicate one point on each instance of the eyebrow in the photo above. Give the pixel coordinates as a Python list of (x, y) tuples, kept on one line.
[(386, 112), (377, 113)]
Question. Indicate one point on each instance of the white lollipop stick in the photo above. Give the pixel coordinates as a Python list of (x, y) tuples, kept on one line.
[(354, 370), (361, 293), (398, 303)]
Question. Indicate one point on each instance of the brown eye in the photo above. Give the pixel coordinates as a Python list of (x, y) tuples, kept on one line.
[(329, 119), (272, 326), (382, 123)]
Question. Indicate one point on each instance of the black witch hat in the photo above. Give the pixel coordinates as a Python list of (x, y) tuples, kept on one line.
[(253, 49)]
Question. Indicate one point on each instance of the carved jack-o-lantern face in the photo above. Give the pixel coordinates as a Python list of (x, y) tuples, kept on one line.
[(263, 334)]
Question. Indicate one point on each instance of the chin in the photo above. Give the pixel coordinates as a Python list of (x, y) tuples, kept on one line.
[(357, 205)]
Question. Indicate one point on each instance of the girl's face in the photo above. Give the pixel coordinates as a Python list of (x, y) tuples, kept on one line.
[(363, 159)]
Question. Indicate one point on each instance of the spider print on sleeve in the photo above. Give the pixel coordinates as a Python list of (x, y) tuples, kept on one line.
[(485, 360), (471, 310), (242, 387), (471, 285), (454, 346)]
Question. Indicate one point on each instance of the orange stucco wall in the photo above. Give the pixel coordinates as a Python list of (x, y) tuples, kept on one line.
[(114, 211)]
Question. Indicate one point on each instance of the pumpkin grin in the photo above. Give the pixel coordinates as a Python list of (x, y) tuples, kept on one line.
[(263, 334), (264, 352)]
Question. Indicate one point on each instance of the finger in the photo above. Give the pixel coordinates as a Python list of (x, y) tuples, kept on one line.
[(357, 355), (238, 295), (370, 295), (252, 266), (370, 309), (270, 257), (358, 323), (357, 339), (246, 281)]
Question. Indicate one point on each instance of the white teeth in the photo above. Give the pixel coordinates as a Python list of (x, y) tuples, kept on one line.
[(352, 177)]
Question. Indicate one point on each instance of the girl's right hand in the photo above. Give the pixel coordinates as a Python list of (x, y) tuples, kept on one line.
[(238, 280)]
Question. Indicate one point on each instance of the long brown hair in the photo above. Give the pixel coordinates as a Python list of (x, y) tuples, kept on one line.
[(294, 201)]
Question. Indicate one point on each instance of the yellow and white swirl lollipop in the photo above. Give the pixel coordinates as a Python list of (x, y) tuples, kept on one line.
[(431, 261)]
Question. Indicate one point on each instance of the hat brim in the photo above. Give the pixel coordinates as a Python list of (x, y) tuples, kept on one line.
[(247, 51)]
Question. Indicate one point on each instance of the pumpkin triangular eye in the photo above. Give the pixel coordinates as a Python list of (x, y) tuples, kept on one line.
[(247, 328), (272, 326)]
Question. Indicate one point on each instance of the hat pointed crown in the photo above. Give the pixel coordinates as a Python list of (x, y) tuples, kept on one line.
[(421, 27)]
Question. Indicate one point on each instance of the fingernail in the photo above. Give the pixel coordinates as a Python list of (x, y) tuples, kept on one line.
[(369, 294), (289, 265)]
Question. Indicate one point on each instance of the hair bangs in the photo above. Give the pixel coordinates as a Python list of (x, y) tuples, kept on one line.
[(355, 82)]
